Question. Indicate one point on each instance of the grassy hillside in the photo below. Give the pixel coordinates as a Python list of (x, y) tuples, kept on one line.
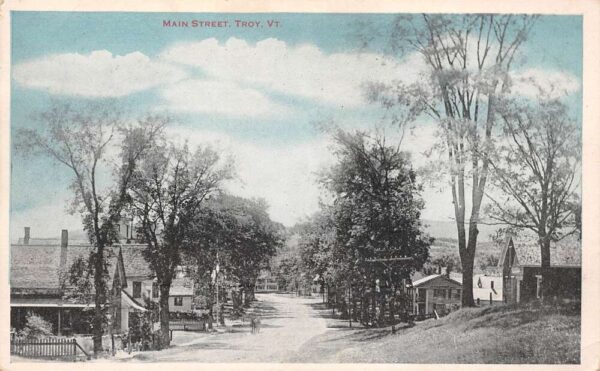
[(504, 334)]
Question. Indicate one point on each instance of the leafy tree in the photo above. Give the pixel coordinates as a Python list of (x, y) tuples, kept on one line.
[(167, 191), (239, 232), (536, 168), (446, 261), (489, 261), (80, 138), (208, 244), (467, 62), (375, 212), (316, 244), (254, 243)]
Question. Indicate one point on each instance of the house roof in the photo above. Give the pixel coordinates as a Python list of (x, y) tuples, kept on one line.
[(435, 277), (566, 252), (39, 266), (417, 276), (182, 287), (134, 261)]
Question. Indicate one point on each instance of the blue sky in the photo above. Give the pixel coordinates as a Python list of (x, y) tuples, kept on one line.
[(274, 84)]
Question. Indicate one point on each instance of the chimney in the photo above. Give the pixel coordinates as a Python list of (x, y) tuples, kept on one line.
[(27, 236), (64, 243)]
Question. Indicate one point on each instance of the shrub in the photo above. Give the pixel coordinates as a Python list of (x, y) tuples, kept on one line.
[(35, 327)]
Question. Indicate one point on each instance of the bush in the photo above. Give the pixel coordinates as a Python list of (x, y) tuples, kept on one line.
[(35, 327)]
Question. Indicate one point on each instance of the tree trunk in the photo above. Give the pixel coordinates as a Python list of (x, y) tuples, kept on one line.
[(99, 299), (249, 295), (163, 312), (392, 305), (468, 263), (236, 297), (355, 316), (545, 263)]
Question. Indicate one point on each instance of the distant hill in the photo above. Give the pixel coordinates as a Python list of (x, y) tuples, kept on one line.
[(446, 229), (446, 241)]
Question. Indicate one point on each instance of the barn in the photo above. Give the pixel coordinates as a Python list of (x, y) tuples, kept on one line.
[(520, 262)]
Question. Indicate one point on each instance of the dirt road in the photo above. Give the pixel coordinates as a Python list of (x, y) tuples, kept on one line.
[(288, 323)]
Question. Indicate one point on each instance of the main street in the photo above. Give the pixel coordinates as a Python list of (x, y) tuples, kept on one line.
[(288, 324)]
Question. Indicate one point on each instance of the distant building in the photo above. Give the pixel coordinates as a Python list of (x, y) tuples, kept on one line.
[(520, 262), (437, 293), (181, 295), (487, 289)]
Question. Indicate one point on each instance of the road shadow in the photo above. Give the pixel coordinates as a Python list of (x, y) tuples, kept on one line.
[(357, 333)]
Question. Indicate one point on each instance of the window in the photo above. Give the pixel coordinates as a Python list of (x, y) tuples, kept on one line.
[(439, 293), (137, 289), (179, 301), (155, 289), (456, 294)]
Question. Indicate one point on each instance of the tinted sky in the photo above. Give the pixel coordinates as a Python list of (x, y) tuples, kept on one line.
[(255, 92)]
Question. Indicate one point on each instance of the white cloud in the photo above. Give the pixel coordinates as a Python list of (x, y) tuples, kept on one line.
[(533, 83), (98, 74), (220, 97), (303, 71), (283, 175), (46, 220)]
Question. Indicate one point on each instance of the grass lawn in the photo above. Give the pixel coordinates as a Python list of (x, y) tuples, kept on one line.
[(533, 333)]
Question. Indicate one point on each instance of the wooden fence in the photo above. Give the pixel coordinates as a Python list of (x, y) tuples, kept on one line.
[(46, 348), (189, 325)]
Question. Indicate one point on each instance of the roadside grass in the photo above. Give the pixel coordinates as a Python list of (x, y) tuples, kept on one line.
[(533, 333)]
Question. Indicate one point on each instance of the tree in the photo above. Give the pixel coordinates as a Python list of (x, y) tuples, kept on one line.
[(375, 213), (255, 241), (467, 63), (316, 244), (490, 261), (239, 232), (79, 137), (167, 191), (446, 261), (536, 167)]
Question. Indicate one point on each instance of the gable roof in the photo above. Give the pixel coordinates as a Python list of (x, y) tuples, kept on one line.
[(134, 261), (417, 275), (39, 266), (431, 280), (182, 287), (563, 253)]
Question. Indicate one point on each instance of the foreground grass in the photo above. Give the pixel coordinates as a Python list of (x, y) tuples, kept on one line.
[(533, 333)]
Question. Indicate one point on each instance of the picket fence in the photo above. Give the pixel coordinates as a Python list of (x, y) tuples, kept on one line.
[(46, 348)]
